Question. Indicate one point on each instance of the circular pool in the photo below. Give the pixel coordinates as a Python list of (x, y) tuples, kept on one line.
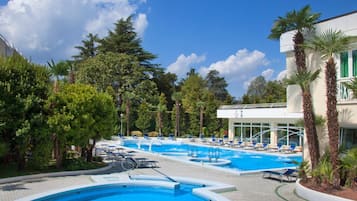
[(120, 192)]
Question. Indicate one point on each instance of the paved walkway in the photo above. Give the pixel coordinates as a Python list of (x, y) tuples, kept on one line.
[(250, 187)]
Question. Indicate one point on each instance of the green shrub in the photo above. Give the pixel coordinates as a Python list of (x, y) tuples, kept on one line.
[(349, 167)]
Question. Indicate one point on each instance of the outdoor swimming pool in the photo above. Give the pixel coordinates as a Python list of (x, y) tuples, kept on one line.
[(112, 192), (239, 160)]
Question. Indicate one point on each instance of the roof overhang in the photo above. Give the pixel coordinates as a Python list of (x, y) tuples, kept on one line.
[(259, 113)]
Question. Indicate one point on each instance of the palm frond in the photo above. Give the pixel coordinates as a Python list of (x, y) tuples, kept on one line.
[(303, 78)]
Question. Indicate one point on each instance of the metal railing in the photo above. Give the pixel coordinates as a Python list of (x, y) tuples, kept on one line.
[(253, 106)]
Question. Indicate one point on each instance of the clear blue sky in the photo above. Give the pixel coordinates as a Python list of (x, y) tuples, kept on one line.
[(227, 35)]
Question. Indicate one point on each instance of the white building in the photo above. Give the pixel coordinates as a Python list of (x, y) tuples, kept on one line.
[(275, 123), (6, 49)]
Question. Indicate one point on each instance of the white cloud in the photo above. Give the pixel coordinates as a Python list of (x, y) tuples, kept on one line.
[(45, 29), (241, 62), (268, 73), (239, 69), (140, 24), (183, 64), (283, 74)]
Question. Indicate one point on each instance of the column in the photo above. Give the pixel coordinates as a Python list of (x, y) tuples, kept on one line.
[(230, 129), (273, 133)]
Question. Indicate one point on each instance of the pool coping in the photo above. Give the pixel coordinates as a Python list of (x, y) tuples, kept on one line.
[(209, 191)]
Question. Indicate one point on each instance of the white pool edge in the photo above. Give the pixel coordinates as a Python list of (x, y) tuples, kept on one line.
[(209, 191)]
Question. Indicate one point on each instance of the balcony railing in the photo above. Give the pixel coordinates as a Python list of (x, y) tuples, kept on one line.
[(343, 93)]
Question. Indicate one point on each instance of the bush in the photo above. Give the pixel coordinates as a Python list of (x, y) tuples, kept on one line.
[(97, 159), (79, 164)]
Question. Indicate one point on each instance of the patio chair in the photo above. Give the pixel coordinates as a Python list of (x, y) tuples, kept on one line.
[(289, 174)]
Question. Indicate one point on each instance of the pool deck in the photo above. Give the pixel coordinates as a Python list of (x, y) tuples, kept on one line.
[(250, 187)]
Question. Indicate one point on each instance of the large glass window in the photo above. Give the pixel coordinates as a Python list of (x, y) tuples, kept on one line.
[(348, 138), (344, 64), (354, 62)]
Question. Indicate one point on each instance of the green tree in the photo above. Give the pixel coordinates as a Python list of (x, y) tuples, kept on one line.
[(177, 97), (256, 89), (165, 83), (327, 44), (57, 70), (144, 120), (79, 113), (23, 91), (217, 85), (161, 110), (301, 21), (352, 85), (89, 48), (201, 106), (123, 39), (193, 89), (274, 92)]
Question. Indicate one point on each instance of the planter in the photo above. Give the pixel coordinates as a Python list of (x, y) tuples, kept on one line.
[(313, 195)]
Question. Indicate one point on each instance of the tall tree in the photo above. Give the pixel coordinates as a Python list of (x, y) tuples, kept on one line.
[(256, 89), (79, 113), (57, 70), (145, 116), (201, 106), (217, 85), (177, 97), (165, 83), (327, 44), (301, 21), (23, 91), (89, 48), (161, 109), (123, 39), (193, 89)]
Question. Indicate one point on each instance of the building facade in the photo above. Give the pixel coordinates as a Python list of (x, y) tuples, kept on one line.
[(6, 49), (279, 120)]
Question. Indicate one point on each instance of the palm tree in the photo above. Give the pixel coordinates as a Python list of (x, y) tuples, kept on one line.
[(161, 108), (128, 96), (352, 86), (327, 44), (57, 70), (201, 105), (301, 21), (177, 97)]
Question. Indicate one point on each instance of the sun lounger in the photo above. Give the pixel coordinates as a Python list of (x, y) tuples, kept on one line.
[(272, 148), (289, 174), (286, 149)]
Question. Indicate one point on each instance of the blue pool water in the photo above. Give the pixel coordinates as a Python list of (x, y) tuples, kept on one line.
[(241, 160), (114, 192)]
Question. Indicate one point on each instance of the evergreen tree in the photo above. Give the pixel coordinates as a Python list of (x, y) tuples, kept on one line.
[(89, 48), (123, 39), (217, 85)]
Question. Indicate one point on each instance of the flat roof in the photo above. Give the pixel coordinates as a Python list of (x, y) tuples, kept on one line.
[(253, 106)]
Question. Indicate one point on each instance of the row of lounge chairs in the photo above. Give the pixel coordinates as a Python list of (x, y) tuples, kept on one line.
[(119, 156), (258, 146), (269, 147)]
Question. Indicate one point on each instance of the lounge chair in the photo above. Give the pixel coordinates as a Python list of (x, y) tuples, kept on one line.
[(285, 149), (259, 147), (289, 174), (272, 148)]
